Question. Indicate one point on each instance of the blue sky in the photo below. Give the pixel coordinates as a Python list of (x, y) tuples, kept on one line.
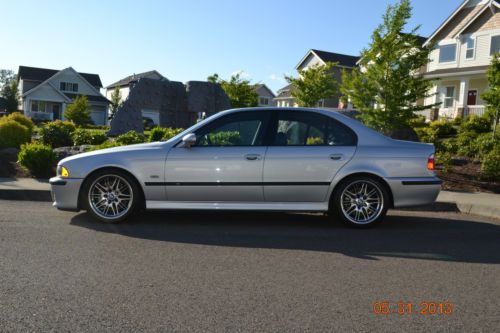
[(191, 39)]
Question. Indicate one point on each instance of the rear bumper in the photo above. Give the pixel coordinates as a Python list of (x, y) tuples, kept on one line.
[(65, 192), (408, 192)]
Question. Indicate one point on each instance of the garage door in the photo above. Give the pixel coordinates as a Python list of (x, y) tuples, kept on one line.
[(154, 115), (98, 117)]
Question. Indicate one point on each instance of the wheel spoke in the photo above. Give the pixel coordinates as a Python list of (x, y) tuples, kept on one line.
[(110, 196)]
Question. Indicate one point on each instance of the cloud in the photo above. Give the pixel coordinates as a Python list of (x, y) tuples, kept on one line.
[(242, 73), (278, 78)]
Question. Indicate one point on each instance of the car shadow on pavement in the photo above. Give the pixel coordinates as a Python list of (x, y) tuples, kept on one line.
[(402, 234)]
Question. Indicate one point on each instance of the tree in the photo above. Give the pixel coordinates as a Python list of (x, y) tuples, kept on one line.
[(6, 76), (492, 96), (314, 84), (11, 94), (79, 111), (240, 92), (116, 98), (388, 83)]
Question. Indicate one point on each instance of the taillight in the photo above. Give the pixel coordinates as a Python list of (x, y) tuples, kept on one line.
[(430, 163)]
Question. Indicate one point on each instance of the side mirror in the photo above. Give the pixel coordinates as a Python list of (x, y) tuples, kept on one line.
[(188, 140)]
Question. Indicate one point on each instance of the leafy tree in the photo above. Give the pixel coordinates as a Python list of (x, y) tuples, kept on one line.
[(492, 96), (11, 94), (79, 111), (240, 92), (314, 84), (116, 98), (6, 76), (388, 83)]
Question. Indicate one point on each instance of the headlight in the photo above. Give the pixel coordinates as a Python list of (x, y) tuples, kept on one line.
[(62, 171)]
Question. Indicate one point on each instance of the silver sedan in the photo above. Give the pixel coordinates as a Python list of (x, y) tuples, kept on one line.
[(274, 159)]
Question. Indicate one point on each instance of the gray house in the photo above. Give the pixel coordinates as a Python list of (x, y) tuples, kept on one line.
[(313, 58), (265, 95)]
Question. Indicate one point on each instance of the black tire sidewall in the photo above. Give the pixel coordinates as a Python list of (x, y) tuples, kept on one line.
[(98, 174), (336, 201)]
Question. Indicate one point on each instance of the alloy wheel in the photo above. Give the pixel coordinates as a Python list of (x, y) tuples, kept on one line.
[(110, 196), (362, 202)]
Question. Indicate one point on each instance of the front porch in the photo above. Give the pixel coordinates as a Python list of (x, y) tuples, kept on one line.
[(44, 110)]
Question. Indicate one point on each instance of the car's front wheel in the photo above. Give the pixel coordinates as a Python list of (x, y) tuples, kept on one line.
[(110, 195), (360, 202)]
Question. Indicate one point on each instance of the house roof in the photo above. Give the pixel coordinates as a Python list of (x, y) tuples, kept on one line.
[(42, 74), (134, 77), (476, 16), (456, 71), (91, 98), (261, 85), (325, 56), (285, 92)]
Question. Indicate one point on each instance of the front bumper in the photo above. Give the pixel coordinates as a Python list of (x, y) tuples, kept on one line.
[(409, 192), (65, 192)]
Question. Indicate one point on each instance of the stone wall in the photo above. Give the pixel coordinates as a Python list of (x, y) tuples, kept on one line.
[(178, 104)]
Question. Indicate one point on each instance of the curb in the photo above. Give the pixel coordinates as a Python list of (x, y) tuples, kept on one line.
[(26, 195)]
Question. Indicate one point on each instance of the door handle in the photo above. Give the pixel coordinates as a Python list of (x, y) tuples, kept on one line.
[(252, 157), (336, 157)]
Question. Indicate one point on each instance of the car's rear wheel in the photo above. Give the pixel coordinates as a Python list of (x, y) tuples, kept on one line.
[(360, 201), (110, 195)]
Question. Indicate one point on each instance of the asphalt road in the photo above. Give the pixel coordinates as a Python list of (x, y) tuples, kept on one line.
[(232, 272)]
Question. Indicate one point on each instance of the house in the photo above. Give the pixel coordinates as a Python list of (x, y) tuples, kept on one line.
[(125, 83), (45, 93), (464, 45), (265, 95), (313, 58)]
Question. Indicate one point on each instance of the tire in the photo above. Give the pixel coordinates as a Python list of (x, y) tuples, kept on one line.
[(110, 196), (360, 201)]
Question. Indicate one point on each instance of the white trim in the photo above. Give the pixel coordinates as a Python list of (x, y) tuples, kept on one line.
[(458, 74), (479, 13), (305, 57), (473, 48), (445, 22), (456, 53)]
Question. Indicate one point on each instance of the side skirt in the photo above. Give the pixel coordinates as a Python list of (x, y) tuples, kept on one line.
[(269, 206)]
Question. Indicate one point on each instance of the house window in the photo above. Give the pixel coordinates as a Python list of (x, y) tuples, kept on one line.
[(471, 43), (68, 86), (495, 45), (264, 101), (449, 96), (447, 53), (38, 106)]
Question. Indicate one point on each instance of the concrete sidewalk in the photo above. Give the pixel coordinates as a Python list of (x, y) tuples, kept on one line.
[(479, 203)]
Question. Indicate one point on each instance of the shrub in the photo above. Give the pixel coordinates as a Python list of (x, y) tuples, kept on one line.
[(13, 134), (38, 159), (88, 137), (161, 133), (491, 165), (79, 111), (130, 138), (476, 124), (426, 134), (418, 122), (57, 133), (442, 128), (484, 144), (107, 144), (444, 158), (225, 138), (465, 142), (23, 120), (457, 121), (448, 145)]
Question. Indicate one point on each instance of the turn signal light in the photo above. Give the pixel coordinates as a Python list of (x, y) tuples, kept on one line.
[(64, 172), (430, 163)]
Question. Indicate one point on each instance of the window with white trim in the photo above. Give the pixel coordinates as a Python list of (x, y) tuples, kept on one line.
[(264, 101), (68, 86), (447, 53), (38, 106), (449, 96), (495, 45), (471, 46)]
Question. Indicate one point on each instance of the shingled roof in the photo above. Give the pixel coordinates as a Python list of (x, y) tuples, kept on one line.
[(134, 77), (42, 74), (341, 59)]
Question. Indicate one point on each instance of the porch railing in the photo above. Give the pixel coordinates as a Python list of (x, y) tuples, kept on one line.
[(474, 109)]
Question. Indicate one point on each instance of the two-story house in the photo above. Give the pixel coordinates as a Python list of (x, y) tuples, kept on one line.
[(315, 58), (464, 45), (265, 95), (125, 83), (45, 93)]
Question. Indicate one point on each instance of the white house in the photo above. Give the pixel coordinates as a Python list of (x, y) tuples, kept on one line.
[(464, 45), (265, 95), (125, 83), (45, 93)]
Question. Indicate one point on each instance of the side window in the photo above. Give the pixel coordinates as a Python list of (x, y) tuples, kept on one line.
[(311, 129), (240, 129)]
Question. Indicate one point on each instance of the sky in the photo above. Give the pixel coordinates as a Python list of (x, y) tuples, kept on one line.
[(192, 39)]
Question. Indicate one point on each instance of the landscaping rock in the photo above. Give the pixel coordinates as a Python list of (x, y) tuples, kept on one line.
[(63, 152)]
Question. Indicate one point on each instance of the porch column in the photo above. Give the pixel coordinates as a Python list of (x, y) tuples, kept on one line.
[(63, 108), (462, 95)]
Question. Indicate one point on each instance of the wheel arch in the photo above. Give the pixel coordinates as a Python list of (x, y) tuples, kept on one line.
[(362, 174), (111, 168)]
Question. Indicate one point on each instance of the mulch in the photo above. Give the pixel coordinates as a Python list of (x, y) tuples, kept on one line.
[(8, 164), (466, 178)]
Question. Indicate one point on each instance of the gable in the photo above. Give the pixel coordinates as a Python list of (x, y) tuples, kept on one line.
[(264, 91), (47, 92), (457, 22), (69, 75), (310, 61), (486, 21)]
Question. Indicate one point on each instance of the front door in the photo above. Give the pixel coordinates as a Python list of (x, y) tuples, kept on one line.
[(472, 97), (56, 111), (225, 164), (306, 152)]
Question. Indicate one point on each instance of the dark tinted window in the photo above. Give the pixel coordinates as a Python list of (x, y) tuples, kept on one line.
[(296, 128), (239, 129)]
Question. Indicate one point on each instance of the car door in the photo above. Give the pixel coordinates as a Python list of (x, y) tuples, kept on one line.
[(306, 151), (225, 164)]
